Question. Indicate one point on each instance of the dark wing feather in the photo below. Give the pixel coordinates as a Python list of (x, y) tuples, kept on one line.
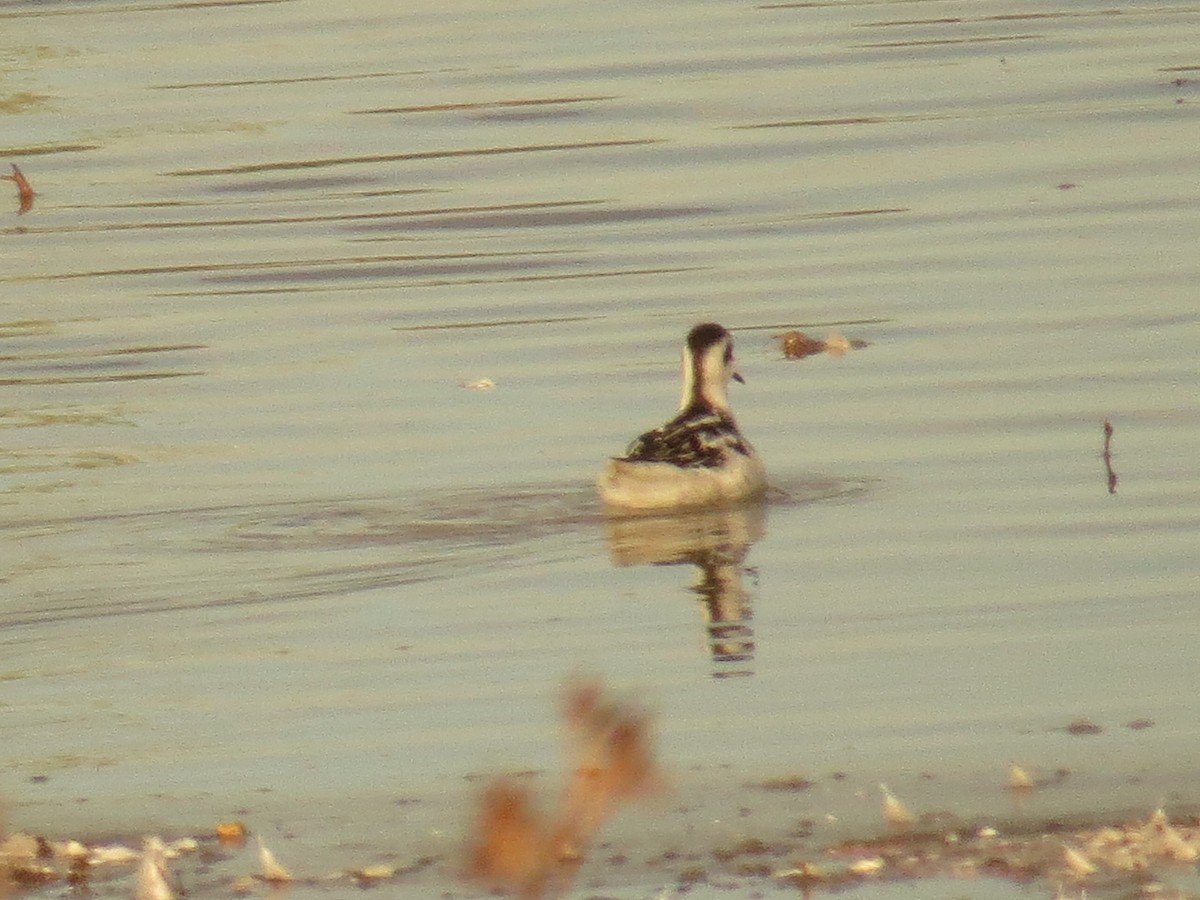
[(693, 439)]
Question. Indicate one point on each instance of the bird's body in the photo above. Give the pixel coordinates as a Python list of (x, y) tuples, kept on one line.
[(698, 458)]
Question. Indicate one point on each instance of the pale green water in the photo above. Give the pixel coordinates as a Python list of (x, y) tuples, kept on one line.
[(260, 539)]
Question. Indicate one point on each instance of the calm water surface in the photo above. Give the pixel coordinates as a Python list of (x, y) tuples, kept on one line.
[(266, 557)]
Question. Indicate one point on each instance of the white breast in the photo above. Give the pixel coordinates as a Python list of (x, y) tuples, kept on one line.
[(657, 485)]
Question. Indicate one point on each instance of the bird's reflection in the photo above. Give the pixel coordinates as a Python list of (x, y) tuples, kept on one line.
[(716, 542)]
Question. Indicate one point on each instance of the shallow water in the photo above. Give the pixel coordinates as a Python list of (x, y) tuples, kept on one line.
[(266, 553)]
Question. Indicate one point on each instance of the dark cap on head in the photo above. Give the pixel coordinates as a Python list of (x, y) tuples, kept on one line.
[(705, 335)]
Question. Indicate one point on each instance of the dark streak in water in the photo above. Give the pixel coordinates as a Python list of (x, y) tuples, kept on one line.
[(309, 287), (448, 274), (851, 213), (1000, 17), (503, 323), (93, 366), (44, 149), (541, 217), (305, 79), (938, 42), (496, 104), (96, 379), (847, 120), (571, 276), (304, 220), (836, 323), (411, 157), (361, 270), (123, 351), (42, 10), (276, 264), (308, 183), (26, 328)]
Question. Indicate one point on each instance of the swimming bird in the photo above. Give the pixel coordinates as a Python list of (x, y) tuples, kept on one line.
[(698, 458)]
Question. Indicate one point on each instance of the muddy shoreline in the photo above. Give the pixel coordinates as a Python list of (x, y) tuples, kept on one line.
[(782, 834)]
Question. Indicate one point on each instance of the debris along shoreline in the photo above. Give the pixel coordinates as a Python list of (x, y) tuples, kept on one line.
[(528, 840), (1135, 856)]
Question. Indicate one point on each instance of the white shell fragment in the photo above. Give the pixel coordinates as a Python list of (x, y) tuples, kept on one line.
[(152, 880), (269, 867), (1080, 865), (379, 872), (111, 854), (894, 811), (1171, 843), (872, 866), (1019, 779)]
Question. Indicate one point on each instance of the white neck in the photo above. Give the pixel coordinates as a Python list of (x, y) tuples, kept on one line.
[(706, 379)]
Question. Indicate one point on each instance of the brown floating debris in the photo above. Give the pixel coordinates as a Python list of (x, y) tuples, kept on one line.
[(1084, 726), (797, 345), (788, 783), (25, 192)]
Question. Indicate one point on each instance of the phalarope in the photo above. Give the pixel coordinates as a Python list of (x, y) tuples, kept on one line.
[(699, 458)]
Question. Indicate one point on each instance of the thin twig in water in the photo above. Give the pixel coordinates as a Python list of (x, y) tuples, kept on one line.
[(1108, 456)]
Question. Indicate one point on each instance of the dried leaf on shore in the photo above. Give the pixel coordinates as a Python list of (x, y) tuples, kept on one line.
[(519, 850)]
